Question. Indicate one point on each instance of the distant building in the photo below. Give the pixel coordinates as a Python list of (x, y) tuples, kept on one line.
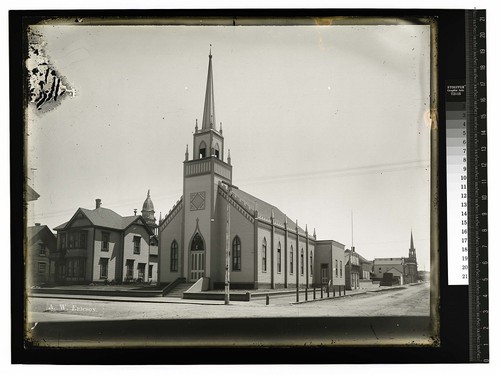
[(406, 269), (410, 265), (41, 243), (352, 269), (101, 246), (329, 264)]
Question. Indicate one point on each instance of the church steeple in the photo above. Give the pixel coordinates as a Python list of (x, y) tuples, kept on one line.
[(209, 109), (412, 252)]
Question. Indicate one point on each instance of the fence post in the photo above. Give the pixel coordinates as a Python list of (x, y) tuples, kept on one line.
[(267, 299), (314, 293), (321, 291)]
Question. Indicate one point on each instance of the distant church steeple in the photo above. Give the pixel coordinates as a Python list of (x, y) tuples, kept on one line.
[(412, 252), (209, 109)]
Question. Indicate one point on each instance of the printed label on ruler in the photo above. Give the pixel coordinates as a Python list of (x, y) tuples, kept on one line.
[(456, 178)]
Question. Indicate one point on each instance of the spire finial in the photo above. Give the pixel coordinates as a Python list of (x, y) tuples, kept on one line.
[(210, 53), (209, 109), (229, 156), (220, 128), (187, 153), (148, 194), (196, 126)]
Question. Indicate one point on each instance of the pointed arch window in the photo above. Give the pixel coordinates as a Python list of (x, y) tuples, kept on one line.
[(217, 151), (174, 256), (291, 260), (311, 264), (264, 255), (236, 254), (278, 258), (301, 261), (197, 244), (203, 150)]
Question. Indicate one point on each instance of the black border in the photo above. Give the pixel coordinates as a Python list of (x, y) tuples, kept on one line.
[(454, 319)]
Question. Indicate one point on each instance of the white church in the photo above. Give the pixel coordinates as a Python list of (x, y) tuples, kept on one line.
[(267, 249)]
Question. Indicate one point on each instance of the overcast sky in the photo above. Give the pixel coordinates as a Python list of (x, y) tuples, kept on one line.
[(320, 120)]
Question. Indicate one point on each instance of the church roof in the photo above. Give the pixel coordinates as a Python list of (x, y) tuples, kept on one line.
[(265, 209), (148, 204), (209, 109)]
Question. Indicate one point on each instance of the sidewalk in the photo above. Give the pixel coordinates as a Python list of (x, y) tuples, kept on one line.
[(258, 296)]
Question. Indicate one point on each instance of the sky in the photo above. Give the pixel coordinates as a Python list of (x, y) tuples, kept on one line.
[(324, 122)]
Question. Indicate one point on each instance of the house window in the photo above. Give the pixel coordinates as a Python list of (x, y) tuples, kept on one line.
[(77, 240), (105, 241), (130, 269), (137, 244), (174, 256), (278, 260), (42, 267), (150, 271), (83, 240), (103, 263), (301, 261), (311, 263), (236, 254), (141, 271), (62, 242), (291, 260), (264, 255), (340, 268), (336, 268), (41, 250)]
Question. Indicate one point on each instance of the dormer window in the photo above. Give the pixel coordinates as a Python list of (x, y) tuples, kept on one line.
[(203, 150)]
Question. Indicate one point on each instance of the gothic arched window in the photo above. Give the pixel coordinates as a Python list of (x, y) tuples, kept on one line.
[(217, 151), (291, 260), (197, 244), (278, 258), (236, 254), (203, 150), (301, 261), (264, 255), (174, 256)]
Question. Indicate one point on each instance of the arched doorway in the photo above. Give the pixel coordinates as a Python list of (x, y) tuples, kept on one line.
[(197, 258)]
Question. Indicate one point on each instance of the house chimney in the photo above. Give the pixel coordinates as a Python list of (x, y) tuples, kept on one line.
[(135, 211), (37, 224), (97, 203)]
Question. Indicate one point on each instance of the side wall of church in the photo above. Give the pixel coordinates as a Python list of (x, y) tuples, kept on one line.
[(270, 274), (239, 226), (173, 231)]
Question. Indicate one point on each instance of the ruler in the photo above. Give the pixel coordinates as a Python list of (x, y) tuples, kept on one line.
[(477, 192)]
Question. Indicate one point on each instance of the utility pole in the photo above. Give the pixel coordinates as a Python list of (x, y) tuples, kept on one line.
[(228, 235)]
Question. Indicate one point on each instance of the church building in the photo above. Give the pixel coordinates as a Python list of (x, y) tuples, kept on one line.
[(266, 248)]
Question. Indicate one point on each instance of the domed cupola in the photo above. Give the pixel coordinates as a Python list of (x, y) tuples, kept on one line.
[(148, 211)]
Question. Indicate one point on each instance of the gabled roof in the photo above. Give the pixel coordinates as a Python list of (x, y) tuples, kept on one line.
[(34, 230), (265, 209), (104, 217), (31, 194)]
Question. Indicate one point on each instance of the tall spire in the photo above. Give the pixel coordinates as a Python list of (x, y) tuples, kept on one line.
[(209, 109), (411, 240)]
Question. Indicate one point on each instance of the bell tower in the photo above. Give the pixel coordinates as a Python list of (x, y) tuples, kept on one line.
[(202, 174)]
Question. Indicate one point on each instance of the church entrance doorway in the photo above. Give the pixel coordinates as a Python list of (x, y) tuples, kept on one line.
[(197, 258), (197, 265)]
